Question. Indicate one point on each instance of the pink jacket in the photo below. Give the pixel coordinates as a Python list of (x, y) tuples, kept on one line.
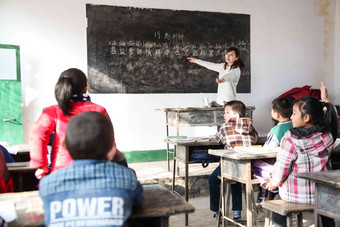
[(53, 120)]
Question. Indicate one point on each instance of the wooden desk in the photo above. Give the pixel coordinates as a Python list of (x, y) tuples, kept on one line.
[(236, 166), (182, 153), (23, 153), (159, 205), (327, 195), (196, 116), (23, 176)]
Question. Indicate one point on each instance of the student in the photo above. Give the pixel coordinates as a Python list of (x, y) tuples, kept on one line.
[(236, 131), (281, 111), (70, 93), (304, 148), (92, 190), (229, 74)]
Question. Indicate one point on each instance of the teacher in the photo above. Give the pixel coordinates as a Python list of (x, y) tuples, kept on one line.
[(229, 74)]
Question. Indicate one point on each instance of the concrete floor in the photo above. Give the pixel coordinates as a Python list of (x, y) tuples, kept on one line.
[(152, 172)]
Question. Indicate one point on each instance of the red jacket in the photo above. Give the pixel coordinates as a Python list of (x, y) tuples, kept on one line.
[(53, 120)]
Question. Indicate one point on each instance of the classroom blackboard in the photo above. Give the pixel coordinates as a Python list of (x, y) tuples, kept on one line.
[(142, 50)]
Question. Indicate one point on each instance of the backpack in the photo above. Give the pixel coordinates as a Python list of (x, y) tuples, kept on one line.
[(299, 92), (202, 155)]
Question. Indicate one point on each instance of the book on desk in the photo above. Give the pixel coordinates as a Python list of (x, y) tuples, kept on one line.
[(186, 139)]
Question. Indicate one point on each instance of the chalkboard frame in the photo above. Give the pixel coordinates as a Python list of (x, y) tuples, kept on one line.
[(113, 31)]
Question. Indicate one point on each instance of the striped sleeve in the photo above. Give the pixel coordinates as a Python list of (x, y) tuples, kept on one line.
[(284, 162)]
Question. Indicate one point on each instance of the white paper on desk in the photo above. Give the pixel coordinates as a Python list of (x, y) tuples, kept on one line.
[(181, 139), (256, 150), (202, 139), (7, 211)]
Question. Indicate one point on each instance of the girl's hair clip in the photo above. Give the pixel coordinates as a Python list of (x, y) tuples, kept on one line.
[(324, 109)]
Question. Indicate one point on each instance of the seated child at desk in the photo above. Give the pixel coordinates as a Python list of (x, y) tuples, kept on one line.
[(236, 131), (304, 148), (280, 111), (92, 189)]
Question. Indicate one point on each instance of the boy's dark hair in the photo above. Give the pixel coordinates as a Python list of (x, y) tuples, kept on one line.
[(283, 106), (71, 82), (237, 107), (89, 135)]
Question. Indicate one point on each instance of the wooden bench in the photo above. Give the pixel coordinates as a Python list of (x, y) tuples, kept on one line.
[(287, 209)]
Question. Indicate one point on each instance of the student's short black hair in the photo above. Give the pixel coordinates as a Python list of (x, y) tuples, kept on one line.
[(89, 135), (283, 106), (237, 107)]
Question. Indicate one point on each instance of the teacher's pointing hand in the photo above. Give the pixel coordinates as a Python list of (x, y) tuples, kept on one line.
[(192, 60)]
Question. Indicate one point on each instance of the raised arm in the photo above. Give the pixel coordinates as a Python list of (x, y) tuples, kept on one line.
[(324, 93)]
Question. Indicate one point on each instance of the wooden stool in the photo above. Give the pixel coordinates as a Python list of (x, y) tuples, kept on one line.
[(287, 209)]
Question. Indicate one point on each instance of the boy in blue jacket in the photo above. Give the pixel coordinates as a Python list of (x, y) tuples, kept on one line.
[(92, 191)]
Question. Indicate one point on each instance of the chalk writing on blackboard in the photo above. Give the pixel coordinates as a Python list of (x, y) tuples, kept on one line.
[(134, 50), (156, 49)]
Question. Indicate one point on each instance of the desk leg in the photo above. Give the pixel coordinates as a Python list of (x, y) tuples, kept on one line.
[(186, 181), (223, 205), (168, 155), (164, 222), (317, 218), (249, 193), (167, 144), (174, 171)]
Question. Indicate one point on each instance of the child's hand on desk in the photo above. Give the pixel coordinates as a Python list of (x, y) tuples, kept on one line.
[(41, 172)]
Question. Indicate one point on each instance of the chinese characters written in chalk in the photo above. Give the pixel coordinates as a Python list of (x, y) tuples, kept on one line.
[(172, 49)]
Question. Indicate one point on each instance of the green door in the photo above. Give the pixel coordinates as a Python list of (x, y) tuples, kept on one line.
[(10, 95)]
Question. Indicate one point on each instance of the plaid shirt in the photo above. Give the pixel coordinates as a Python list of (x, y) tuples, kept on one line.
[(237, 132), (299, 155)]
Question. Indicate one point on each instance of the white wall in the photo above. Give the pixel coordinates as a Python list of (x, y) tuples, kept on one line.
[(292, 44), (337, 55)]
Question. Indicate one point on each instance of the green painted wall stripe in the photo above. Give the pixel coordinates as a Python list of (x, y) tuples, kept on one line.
[(147, 156)]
